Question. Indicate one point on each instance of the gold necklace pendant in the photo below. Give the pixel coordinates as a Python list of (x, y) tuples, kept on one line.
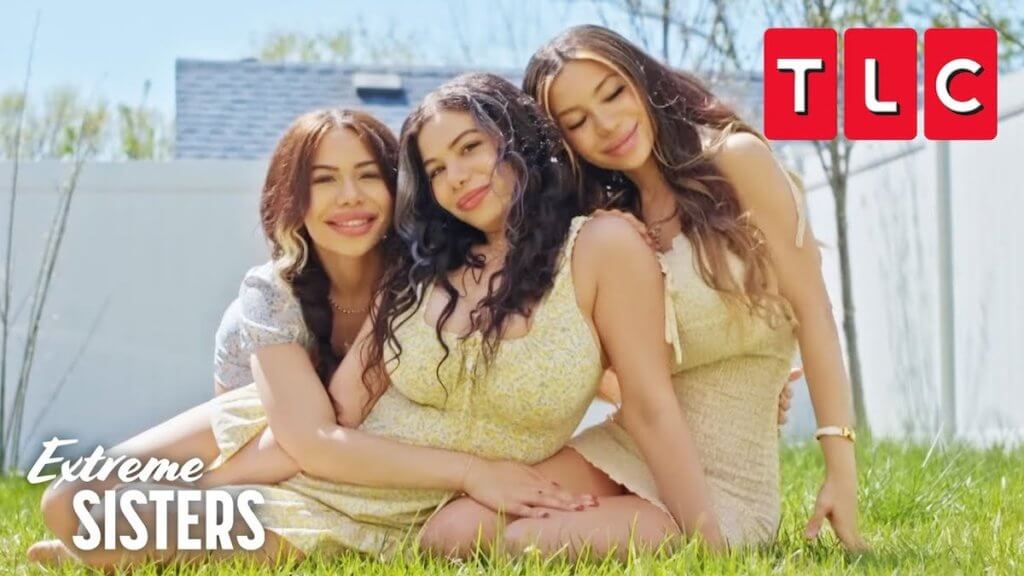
[(654, 229), (347, 311)]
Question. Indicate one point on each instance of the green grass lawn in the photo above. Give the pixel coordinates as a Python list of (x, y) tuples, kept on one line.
[(954, 511)]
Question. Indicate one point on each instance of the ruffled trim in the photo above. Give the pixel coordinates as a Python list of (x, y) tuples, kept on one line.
[(565, 266), (599, 440)]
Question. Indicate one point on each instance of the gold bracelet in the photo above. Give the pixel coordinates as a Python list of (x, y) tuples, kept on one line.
[(843, 431)]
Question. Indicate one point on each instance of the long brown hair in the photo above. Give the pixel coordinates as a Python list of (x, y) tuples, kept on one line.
[(541, 209), (285, 201), (679, 106)]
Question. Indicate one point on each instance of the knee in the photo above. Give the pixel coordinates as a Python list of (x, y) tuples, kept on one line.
[(457, 532), (532, 534), (58, 514)]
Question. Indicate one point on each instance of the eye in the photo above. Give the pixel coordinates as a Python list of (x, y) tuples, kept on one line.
[(369, 176), (615, 94), (323, 179), (435, 172), (576, 125), (469, 147)]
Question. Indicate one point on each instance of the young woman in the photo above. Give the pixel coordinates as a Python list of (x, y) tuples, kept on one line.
[(744, 284), (327, 211), (501, 326)]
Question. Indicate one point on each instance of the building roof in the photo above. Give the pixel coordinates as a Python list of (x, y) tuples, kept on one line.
[(239, 109)]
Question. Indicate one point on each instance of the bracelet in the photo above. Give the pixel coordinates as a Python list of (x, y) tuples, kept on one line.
[(843, 431)]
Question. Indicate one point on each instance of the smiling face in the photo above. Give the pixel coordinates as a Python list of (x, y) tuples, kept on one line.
[(460, 160), (349, 203), (600, 115)]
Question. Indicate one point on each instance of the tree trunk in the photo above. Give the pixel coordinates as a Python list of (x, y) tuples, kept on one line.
[(838, 177)]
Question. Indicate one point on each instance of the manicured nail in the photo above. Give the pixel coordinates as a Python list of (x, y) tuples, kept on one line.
[(581, 507), (545, 514)]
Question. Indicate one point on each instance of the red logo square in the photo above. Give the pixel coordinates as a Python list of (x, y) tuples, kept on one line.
[(800, 83), (880, 83), (960, 76)]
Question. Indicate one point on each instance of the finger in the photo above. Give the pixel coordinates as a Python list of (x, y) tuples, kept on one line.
[(571, 500), (526, 511), (814, 524), (558, 504), (784, 404), (783, 418), (796, 373)]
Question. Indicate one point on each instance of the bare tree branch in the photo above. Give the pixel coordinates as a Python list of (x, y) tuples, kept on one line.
[(8, 281)]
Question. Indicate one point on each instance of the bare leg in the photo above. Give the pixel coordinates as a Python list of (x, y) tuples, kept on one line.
[(618, 523), (462, 526), (187, 435)]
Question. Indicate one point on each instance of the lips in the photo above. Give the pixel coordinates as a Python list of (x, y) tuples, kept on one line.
[(472, 199), (623, 145), (355, 223)]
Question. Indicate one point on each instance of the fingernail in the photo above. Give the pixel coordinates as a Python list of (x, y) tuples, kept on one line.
[(580, 507), (545, 514)]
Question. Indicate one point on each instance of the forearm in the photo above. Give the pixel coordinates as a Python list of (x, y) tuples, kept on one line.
[(827, 384), (346, 455), (261, 461)]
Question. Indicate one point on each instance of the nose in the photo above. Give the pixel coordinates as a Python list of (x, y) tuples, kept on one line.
[(458, 174), (348, 192), (604, 124)]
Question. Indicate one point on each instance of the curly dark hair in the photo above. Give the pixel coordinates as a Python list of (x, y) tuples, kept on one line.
[(680, 107), (283, 206), (543, 203)]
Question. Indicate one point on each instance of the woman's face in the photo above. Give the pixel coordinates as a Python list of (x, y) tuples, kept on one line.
[(349, 206), (600, 115), (459, 159)]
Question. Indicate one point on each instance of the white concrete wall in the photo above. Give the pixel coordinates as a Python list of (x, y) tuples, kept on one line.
[(153, 254), (894, 241)]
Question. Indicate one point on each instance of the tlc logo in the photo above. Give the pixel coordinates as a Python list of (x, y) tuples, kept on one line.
[(880, 88)]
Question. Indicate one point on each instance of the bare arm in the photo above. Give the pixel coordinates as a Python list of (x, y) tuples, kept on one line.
[(304, 423), (764, 190), (627, 307)]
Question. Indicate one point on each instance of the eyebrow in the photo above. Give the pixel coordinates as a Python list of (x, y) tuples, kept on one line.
[(335, 168), (596, 90), (453, 143)]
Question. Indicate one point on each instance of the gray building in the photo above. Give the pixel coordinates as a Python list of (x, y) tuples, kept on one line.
[(238, 109)]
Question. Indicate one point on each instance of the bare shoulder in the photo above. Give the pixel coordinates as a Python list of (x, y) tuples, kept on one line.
[(743, 155), (608, 237), (752, 168)]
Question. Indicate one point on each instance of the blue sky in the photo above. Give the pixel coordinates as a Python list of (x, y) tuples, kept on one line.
[(109, 48)]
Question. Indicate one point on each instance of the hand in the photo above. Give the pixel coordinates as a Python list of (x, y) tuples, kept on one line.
[(635, 222), (837, 501), (515, 488), (786, 396)]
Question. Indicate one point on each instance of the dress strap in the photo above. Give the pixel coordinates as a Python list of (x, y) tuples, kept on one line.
[(564, 273), (671, 322), (796, 189)]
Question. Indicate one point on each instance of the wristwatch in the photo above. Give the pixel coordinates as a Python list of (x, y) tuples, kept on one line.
[(844, 431)]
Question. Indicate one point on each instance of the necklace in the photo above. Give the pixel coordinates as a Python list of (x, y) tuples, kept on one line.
[(344, 310), (654, 228)]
